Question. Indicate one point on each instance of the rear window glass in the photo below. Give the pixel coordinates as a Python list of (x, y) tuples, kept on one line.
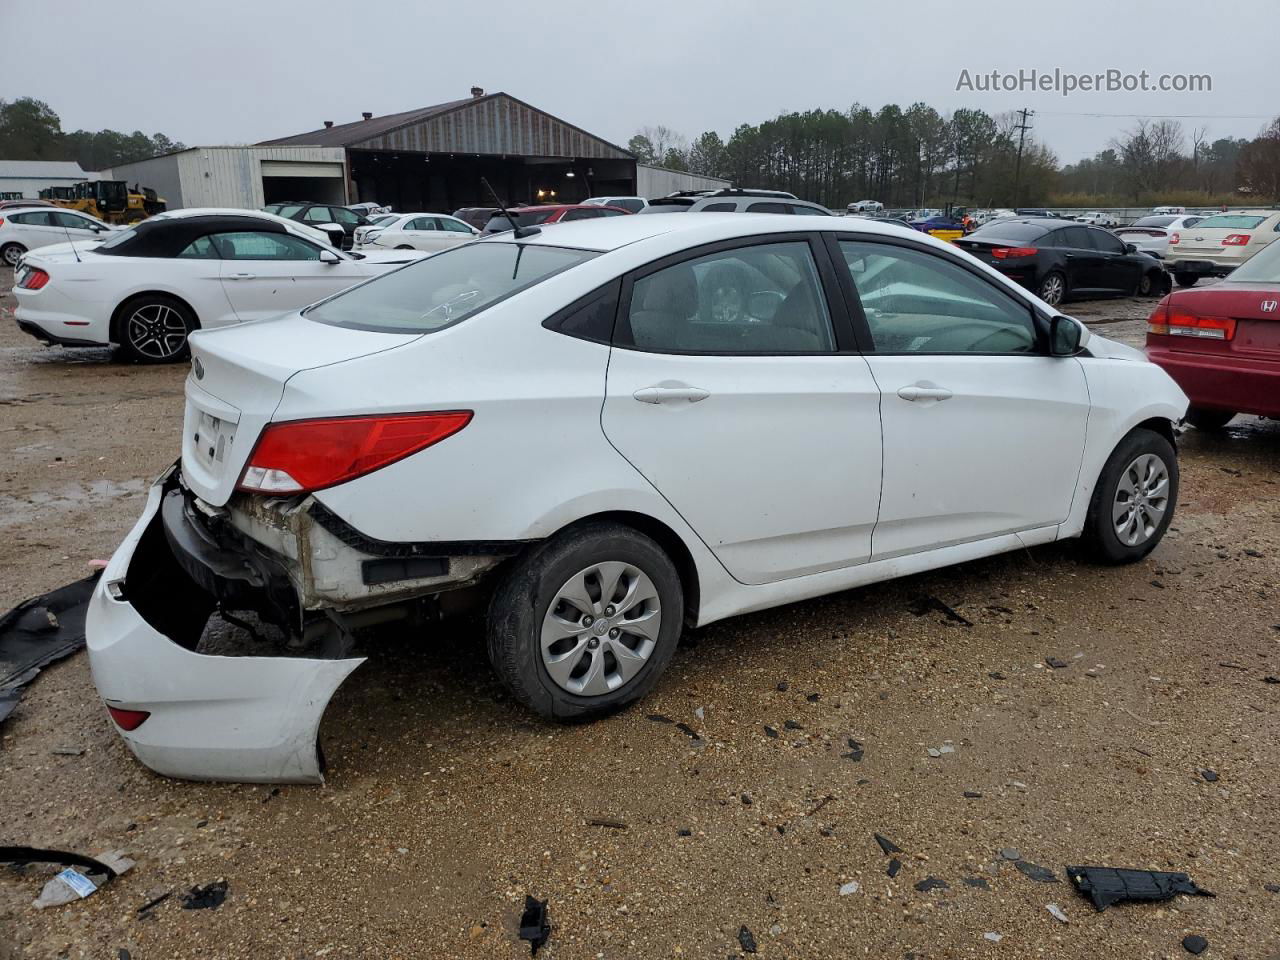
[(1007, 230), (446, 288), (1230, 221), (1154, 221), (497, 223)]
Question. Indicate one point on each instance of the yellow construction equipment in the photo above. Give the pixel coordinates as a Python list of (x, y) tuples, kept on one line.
[(109, 200)]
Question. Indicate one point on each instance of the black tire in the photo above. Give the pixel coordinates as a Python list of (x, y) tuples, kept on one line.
[(1203, 419), (1151, 284), (1052, 288), (1100, 536), (1186, 279), (523, 599), (153, 328), (10, 253)]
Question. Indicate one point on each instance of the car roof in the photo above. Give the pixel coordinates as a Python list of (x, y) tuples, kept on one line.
[(612, 233)]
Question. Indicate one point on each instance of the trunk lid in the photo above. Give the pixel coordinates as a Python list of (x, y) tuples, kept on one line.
[(237, 378), (1255, 307)]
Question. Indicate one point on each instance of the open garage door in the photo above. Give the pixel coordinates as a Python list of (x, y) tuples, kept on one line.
[(303, 180)]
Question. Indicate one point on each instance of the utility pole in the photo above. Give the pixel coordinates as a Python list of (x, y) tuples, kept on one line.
[(1022, 129)]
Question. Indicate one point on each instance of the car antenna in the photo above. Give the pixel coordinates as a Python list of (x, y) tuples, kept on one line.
[(70, 241), (518, 230)]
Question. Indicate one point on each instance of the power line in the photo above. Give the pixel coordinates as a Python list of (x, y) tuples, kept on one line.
[(1022, 129), (1164, 116)]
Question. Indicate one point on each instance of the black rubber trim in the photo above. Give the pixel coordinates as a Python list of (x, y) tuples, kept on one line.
[(198, 553), (395, 569), (41, 334), (428, 548)]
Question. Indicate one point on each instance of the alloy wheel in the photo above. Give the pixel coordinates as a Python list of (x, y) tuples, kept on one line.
[(12, 254), (1052, 289), (1141, 499), (601, 628), (157, 331)]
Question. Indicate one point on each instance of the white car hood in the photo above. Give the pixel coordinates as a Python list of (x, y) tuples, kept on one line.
[(1106, 349)]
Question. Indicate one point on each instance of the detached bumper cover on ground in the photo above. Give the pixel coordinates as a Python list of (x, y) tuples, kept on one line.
[(251, 718)]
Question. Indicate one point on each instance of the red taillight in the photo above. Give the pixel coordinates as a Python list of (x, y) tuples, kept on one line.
[(34, 280), (1236, 240), (1013, 253), (127, 719), (1174, 237), (313, 454), (1172, 322)]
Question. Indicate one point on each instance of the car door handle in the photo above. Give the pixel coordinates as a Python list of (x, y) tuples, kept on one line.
[(670, 391), (241, 276), (918, 392)]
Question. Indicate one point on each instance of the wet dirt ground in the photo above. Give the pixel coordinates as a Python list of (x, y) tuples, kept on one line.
[(446, 804)]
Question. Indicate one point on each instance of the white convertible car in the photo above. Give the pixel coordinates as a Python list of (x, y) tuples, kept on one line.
[(147, 288), (610, 430)]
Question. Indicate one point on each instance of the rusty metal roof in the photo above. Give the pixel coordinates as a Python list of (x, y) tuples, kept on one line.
[(496, 123)]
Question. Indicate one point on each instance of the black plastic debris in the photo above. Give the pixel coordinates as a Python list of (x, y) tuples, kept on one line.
[(894, 866), (978, 882), (1033, 871), (37, 632), (1056, 663), (1195, 944), (925, 604), (208, 897), (814, 697), (684, 832), (1271, 887), (887, 845), (792, 725), (21, 856), (1210, 776), (1271, 679), (534, 925), (145, 910), (688, 731), (932, 883), (1108, 885), (855, 751), (770, 732), (746, 940), (972, 795), (783, 686), (659, 718)]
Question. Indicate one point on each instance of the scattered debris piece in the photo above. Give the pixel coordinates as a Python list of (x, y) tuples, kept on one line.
[(932, 883), (746, 940), (1271, 679), (887, 845), (70, 884), (996, 675), (979, 882), (746, 799), (1011, 853), (209, 897), (1033, 871), (770, 732), (67, 751), (934, 752), (1056, 912), (894, 866), (608, 822), (993, 937), (814, 697), (1271, 887), (659, 718), (972, 795), (1056, 663), (855, 751), (849, 888), (821, 803), (37, 632), (1195, 944), (1108, 885), (1232, 666), (925, 604), (792, 725), (783, 687), (700, 713), (946, 748), (1210, 776), (145, 910), (688, 731), (684, 832), (534, 926)]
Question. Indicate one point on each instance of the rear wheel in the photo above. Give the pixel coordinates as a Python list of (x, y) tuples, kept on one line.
[(154, 328), (1134, 501), (1052, 288), (585, 623), (1186, 279), (11, 253), (1203, 419), (1150, 285)]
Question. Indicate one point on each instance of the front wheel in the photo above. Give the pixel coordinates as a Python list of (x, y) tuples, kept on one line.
[(1134, 501), (1186, 279), (1150, 285), (1052, 288), (154, 329), (586, 623)]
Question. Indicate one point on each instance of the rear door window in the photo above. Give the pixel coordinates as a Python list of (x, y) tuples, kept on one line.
[(769, 208), (253, 245), (719, 208), (201, 248)]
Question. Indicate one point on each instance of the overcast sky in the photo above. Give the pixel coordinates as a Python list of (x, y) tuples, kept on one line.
[(235, 71)]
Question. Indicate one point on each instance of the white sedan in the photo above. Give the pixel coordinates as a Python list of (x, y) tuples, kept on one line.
[(148, 287), (1151, 234), (612, 430), (415, 231), (29, 228)]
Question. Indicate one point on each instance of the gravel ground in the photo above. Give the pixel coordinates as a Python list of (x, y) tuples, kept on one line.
[(446, 804)]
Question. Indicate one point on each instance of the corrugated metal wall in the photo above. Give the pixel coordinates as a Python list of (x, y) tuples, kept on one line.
[(496, 125), (219, 176), (158, 173), (659, 181)]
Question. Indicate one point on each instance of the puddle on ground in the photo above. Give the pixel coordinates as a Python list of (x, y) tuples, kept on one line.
[(15, 511)]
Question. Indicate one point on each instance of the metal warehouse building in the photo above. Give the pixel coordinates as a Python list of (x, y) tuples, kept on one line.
[(432, 158), (24, 179)]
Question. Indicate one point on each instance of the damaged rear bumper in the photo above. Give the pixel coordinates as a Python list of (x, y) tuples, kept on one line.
[(248, 718)]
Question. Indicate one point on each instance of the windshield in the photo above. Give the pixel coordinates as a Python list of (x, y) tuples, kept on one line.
[(446, 288), (1229, 221), (1262, 267), (1153, 222)]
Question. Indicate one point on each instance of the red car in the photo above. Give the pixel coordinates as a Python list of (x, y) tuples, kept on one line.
[(552, 213), (1222, 343)]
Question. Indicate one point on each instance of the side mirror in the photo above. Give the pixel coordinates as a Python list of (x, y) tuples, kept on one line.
[(328, 256), (1067, 336), (1130, 248), (335, 233)]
